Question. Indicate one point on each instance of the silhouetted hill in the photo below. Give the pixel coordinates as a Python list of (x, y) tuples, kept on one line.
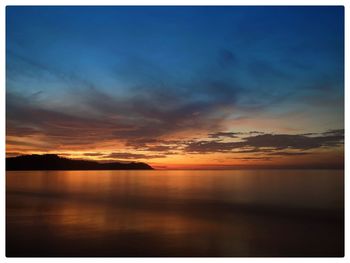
[(54, 162)]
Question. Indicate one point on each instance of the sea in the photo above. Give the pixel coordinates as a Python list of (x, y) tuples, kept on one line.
[(175, 213)]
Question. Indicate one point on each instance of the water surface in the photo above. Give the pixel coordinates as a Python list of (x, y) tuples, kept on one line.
[(175, 213)]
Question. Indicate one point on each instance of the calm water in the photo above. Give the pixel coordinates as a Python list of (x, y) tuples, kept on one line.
[(175, 213)]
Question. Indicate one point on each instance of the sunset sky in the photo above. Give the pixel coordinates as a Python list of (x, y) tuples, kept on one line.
[(177, 87)]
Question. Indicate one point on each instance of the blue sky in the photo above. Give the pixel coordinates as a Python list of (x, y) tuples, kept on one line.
[(271, 69)]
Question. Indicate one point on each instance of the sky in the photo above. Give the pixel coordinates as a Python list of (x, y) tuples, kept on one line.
[(177, 87)]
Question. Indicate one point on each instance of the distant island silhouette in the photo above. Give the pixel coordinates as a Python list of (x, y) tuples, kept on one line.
[(55, 162)]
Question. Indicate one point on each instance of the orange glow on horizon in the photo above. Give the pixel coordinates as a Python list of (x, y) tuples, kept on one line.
[(209, 161)]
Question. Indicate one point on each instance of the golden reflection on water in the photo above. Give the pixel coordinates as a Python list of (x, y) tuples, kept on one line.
[(301, 188), (225, 213)]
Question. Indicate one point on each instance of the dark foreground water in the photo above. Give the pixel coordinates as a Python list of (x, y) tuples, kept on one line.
[(175, 213)]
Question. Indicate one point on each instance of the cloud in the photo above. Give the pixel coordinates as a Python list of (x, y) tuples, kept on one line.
[(254, 158), (160, 148), (338, 132), (211, 146), (36, 144), (224, 134), (288, 153), (270, 141), (156, 145), (287, 141), (125, 155), (94, 154)]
